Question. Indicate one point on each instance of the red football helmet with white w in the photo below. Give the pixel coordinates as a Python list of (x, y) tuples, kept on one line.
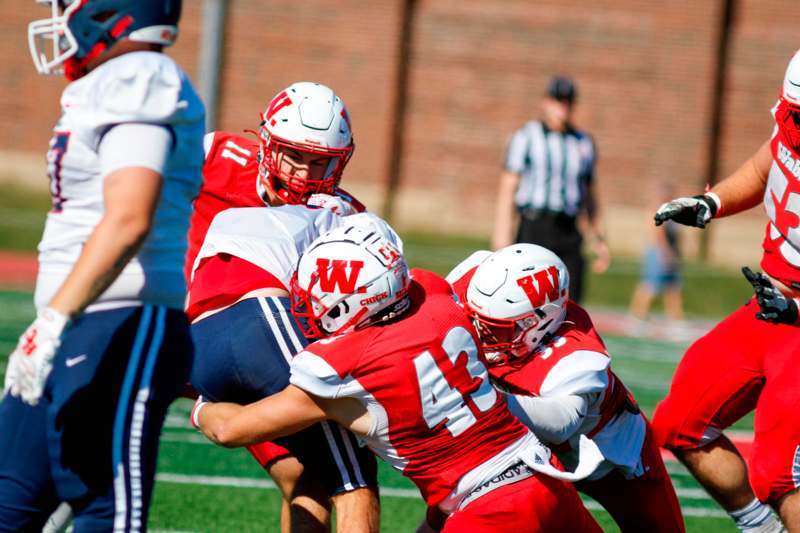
[(516, 297), (311, 119), (348, 278)]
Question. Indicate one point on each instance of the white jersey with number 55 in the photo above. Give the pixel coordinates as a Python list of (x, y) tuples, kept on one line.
[(136, 110)]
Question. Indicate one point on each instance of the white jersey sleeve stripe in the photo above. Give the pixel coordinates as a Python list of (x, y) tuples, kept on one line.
[(581, 372), (313, 374), (208, 142)]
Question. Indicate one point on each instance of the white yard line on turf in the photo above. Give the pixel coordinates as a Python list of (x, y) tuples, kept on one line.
[(237, 482)]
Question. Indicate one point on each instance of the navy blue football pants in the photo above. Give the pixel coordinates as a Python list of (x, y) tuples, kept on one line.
[(92, 440), (243, 354)]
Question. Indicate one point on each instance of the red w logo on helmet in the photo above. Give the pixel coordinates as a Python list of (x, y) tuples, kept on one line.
[(548, 286), (277, 103), (336, 275)]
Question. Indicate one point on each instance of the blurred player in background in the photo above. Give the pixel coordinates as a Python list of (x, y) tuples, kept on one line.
[(88, 386), (398, 364), (549, 180), (304, 143), (749, 360), (661, 267), (545, 354)]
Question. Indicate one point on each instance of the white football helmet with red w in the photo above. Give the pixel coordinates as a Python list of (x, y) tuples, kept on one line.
[(346, 279), (310, 118), (516, 297)]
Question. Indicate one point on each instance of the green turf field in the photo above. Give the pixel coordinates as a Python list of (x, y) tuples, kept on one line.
[(204, 488)]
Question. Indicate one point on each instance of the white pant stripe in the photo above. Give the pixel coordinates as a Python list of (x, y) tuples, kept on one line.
[(137, 423), (276, 331), (796, 468), (288, 323), (352, 455), (120, 484), (348, 485)]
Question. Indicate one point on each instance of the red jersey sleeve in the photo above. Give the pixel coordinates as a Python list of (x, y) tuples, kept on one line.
[(325, 368), (230, 179)]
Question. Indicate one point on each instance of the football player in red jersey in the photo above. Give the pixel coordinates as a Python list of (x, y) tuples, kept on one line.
[(304, 143), (398, 363), (752, 353), (545, 354)]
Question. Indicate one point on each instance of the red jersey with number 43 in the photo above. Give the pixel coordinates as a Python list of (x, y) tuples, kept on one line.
[(436, 416), (781, 258), (230, 179)]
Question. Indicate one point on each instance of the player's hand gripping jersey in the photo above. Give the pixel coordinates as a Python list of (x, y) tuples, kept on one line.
[(141, 88), (425, 385), (230, 179)]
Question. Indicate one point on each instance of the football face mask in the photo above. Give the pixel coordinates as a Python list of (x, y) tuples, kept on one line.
[(504, 340), (294, 171), (787, 117), (50, 40)]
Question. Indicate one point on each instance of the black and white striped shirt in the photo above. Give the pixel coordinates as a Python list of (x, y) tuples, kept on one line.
[(555, 168)]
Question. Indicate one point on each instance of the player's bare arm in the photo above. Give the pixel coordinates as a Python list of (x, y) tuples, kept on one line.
[(131, 196), (738, 192), (287, 412), (744, 188), (504, 217)]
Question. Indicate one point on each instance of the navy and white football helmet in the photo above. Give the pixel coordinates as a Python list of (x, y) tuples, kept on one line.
[(79, 31)]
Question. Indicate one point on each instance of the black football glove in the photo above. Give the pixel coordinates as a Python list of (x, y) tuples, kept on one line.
[(775, 307), (696, 211)]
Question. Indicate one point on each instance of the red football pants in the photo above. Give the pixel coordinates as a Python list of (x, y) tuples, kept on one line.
[(645, 503), (740, 365), (538, 503)]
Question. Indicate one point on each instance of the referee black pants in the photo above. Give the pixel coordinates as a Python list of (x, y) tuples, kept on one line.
[(558, 233)]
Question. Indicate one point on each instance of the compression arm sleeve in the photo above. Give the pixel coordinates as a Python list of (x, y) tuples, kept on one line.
[(553, 419), (135, 145)]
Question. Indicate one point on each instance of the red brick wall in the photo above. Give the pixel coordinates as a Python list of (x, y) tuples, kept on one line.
[(478, 70)]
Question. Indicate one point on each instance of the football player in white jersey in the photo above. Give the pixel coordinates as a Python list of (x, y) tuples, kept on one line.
[(88, 386)]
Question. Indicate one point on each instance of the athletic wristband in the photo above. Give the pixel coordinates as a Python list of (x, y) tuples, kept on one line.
[(195, 416), (714, 197)]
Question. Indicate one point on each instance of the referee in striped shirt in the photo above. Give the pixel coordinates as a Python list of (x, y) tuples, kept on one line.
[(548, 182)]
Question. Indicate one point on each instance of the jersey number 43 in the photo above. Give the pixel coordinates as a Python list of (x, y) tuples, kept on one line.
[(441, 402)]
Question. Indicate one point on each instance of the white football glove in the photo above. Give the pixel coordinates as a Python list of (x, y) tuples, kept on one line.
[(329, 201), (32, 360), (694, 211)]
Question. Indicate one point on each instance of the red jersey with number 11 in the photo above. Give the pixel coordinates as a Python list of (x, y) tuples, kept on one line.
[(230, 179), (436, 416)]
